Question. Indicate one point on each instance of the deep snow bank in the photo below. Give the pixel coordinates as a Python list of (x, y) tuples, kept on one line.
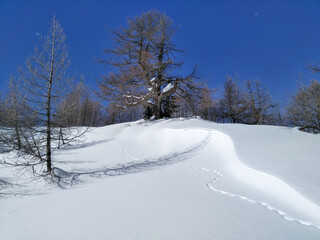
[(177, 179)]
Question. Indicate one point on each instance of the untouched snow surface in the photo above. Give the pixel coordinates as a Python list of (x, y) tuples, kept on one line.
[(172, 179)]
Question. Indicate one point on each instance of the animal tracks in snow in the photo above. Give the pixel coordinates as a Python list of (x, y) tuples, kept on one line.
[(284, 215), (276, 192), (124, 151), (196, 145), (271, 187), (218, 157)]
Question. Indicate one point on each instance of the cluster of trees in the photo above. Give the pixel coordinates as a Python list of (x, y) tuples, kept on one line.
[(143, 84), (44, 107), (251, 104)]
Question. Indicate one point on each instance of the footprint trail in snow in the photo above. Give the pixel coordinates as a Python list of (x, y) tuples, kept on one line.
[(278, 195), (284, 215), (276, 192)]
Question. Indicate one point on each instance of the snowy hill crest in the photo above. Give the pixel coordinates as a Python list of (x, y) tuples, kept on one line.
[(175, 179)]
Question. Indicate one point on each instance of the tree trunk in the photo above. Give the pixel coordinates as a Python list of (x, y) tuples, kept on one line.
[(157, 110), (48, 125), (18, 136)]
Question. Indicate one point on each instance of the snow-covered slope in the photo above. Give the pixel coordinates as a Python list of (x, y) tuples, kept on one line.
[(173, 179)]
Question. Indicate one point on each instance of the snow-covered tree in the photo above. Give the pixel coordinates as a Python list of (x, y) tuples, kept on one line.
[(144, 63)]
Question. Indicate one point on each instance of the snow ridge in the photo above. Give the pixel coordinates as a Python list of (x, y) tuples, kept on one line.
[(282, 214), (253, 178)]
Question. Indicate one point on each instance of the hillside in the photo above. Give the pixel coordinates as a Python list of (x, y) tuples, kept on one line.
[(171, 179)]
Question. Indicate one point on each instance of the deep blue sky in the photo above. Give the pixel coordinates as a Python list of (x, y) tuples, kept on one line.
[(268, 40)]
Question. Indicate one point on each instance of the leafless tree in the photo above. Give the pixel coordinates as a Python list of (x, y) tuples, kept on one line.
[(207, 104), (315, 68), (280, 116), (44, 78), (145, 63), (187, 104), (2, 114), (304, 107), (232, 106), (43, 81), (13, 117), (92, 113), (260, 108), (78, 109)]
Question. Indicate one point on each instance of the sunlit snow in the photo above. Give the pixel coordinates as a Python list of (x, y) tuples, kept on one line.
[(172, 179)]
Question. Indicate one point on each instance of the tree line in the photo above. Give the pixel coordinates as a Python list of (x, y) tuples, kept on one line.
[(143, 84), (46, 107)]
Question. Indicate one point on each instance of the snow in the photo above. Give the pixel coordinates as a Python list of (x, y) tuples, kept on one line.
[(173, 179), (151, 101), (167, 88), (132, 96)]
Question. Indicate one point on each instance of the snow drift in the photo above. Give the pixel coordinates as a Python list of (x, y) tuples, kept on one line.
[(172, 179)]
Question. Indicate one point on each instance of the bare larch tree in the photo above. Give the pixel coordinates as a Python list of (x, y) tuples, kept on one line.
[(43, 82), (260, 108), (78, 109), (14, 117), (304, 107), (144, 60), (232, 106)]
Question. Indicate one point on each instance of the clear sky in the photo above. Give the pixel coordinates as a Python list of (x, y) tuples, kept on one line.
[(268, 40)]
